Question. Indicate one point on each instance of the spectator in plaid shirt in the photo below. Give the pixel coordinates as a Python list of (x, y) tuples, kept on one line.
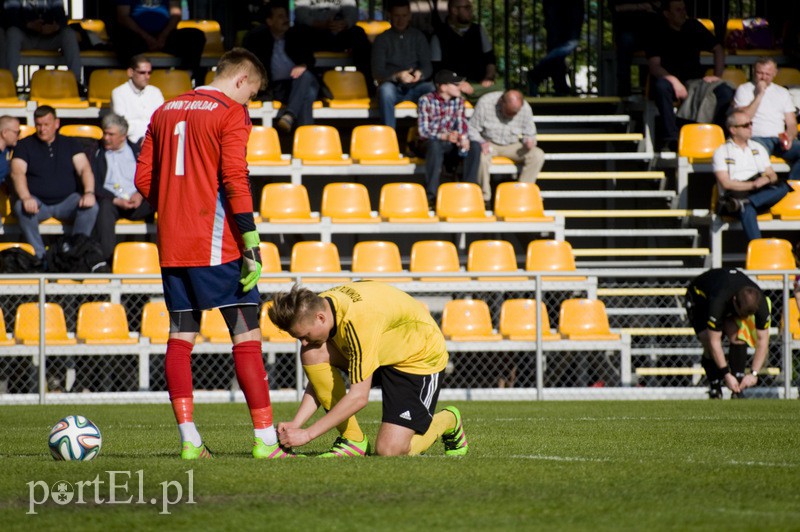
[(443, 132)]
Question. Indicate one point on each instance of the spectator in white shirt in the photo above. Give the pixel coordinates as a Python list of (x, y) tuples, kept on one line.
[(772, 112), (746, 182), (136, 99)]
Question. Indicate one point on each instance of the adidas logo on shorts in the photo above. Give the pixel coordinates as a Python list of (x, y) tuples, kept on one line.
[(406, 415)]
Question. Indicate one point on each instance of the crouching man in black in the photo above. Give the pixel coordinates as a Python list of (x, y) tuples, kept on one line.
[(722, 301)]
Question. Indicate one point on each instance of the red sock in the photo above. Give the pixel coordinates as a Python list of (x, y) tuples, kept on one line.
[(252, 379), (178, 366), (183, 407)]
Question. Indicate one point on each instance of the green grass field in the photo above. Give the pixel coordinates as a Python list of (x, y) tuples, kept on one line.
[(695, 465)]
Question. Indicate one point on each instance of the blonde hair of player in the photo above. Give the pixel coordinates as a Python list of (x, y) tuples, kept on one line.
[(327, 381), (240, 75)]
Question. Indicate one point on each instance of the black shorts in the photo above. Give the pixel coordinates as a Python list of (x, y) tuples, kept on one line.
[(408, 400), (696, 310)]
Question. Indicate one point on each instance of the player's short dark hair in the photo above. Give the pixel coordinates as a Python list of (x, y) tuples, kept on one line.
[(748, 299), (44, 110), (268, 9), (287, 307), (137, 60), (239, 59), (398, 3)]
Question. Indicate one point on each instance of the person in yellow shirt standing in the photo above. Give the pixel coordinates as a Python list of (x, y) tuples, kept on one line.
[(381, 336)]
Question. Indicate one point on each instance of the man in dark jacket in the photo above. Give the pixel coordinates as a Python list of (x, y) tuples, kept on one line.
[(289, 59), (114, 167)]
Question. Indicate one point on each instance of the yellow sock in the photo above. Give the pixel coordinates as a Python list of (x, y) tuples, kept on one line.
[(441, 423), (329, 386)]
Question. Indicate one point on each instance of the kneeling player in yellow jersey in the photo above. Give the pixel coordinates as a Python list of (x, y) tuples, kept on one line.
[(381, 336)]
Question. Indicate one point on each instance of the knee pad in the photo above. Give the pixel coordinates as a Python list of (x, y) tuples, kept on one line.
[(240, 319), (184, 321)]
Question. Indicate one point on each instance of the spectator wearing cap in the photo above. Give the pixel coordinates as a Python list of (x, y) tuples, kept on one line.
[(443, 132), (503, 125), (401, 62)]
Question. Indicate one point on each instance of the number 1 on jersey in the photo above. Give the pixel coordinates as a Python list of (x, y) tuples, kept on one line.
[(180, 130)]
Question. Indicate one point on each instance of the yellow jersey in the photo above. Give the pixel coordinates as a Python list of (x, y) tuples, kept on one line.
[(378, 325)]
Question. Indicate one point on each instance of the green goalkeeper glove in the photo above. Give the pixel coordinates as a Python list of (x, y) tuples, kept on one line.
[(251, 261)]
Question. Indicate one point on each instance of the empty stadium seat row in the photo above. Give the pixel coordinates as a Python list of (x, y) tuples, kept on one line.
[(402, 202), (102, 323), (469, 320)]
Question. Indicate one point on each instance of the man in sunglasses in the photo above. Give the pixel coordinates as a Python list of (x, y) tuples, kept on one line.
[(136, 100), (727, 302), (746, 182)]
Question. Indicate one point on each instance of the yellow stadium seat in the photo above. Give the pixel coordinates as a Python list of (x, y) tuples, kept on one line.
[(103, 323), (519, 202), (697, 142), (794, 321), (377, 256), (86, 131), (155, 322), (461, 202), (405, 203), (734, 75), (373, 28), (708, 23), (8, 91), (57, 88), (468, 320), (102, 82), (314, 258), (347, 203), (518, 320), (319, 146), (270, 331), (271, 262), (136, 258), (26, 130), (264, 148), (6, 245), (376, 145), (172, 82), (22, 245), (286, 203), (435, 256), (96, 25), (492, 256), (213, 328), (788, 208), (584, 319), (4, 339), (26, 325), (551, 256), (213, 32), (770, 254), (787, 77), (349, 89)]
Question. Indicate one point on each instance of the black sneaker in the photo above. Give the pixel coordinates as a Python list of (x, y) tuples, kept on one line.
[(715, 391), (729, 204)]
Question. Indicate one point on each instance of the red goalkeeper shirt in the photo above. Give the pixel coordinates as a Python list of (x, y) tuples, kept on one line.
[(193, 169)]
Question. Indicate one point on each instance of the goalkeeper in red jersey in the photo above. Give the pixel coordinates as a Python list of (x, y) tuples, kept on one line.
[(192, 168)]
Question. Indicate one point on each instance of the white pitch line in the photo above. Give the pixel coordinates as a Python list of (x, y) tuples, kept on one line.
[(559, 458)]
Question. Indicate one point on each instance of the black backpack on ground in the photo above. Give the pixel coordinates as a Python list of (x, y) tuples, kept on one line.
[(76, 254), (17, 260)]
